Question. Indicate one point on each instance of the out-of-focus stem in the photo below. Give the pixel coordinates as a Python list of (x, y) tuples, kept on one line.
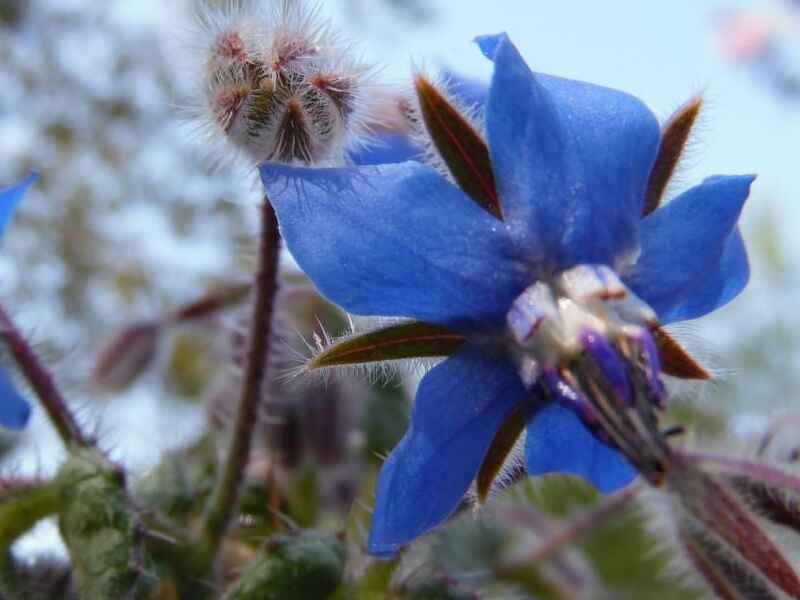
[(22, 508), (223, 501), (42, 383), (598, 516)]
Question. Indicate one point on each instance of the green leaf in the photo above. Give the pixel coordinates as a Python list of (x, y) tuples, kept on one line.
[(406, 340), (461, 147)]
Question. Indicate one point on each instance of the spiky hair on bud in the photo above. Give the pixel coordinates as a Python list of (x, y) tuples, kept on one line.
[(278, 84)]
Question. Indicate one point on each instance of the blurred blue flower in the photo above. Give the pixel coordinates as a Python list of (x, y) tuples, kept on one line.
[(390, 146), (14, 409), (571, 162)]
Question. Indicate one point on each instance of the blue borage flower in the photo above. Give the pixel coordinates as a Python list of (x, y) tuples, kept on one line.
[(14, 409), (556, 300)]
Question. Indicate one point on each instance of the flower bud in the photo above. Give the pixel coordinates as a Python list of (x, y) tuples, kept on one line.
[(279, 85), (719, 506)]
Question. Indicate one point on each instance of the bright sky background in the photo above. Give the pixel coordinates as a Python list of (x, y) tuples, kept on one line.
[(662, 52)]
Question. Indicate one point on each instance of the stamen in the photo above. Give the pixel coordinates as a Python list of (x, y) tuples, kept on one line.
[(608, 362), (651, 363), (585, 339)]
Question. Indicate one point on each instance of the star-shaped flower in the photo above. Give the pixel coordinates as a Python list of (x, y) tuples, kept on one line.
[(541, 272), (14, 409)]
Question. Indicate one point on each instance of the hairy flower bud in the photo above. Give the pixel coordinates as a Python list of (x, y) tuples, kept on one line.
[(722, 516), (279, 85)]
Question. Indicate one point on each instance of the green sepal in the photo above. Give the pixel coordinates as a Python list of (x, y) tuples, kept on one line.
[(406, 340), (462, 148)]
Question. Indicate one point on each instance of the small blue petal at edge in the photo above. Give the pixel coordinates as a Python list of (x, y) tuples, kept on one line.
[(11, 197), (15, 411), (558, 442)]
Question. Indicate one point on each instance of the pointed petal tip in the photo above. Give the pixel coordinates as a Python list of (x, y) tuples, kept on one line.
[(489, 44)]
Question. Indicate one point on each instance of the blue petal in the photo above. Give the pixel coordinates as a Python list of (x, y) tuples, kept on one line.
[(693, 259), (489, 43), (397, 240), (14, 409), (459, 407), (572, 161), (558, 442), (388, 148), (10, 198)]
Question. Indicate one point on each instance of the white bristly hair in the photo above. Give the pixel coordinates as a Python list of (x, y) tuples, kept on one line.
[(278, 84)]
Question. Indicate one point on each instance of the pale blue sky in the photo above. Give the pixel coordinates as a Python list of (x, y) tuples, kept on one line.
[(662, 52)]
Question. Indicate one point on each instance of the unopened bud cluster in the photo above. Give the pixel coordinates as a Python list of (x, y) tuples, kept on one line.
[(279, 85)]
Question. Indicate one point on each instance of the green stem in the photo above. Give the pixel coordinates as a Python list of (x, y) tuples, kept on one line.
[(22, 508), (225, 496)]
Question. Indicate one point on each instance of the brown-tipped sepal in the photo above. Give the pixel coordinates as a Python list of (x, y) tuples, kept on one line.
[(727, 576), (463, 150), (502, 445), (405, 340), (674, 137), (728, 544), (675, 360)]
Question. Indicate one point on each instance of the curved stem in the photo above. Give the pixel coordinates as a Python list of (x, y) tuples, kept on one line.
[(608, 508), (42, 383), (25, 506), (225, 496)]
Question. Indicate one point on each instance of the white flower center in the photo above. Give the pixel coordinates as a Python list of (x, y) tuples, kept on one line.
[(548, 320)]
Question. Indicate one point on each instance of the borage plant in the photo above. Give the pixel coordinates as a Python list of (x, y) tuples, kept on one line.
[(529, 251), (540, 261)]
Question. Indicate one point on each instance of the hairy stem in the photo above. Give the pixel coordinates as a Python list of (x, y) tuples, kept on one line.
[(224, 498), (42, 383)]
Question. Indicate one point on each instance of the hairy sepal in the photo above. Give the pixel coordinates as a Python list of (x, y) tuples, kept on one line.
[(726, 540), (675, 360), (462, 148), (395, 342), (674, 137), (502, 446)]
